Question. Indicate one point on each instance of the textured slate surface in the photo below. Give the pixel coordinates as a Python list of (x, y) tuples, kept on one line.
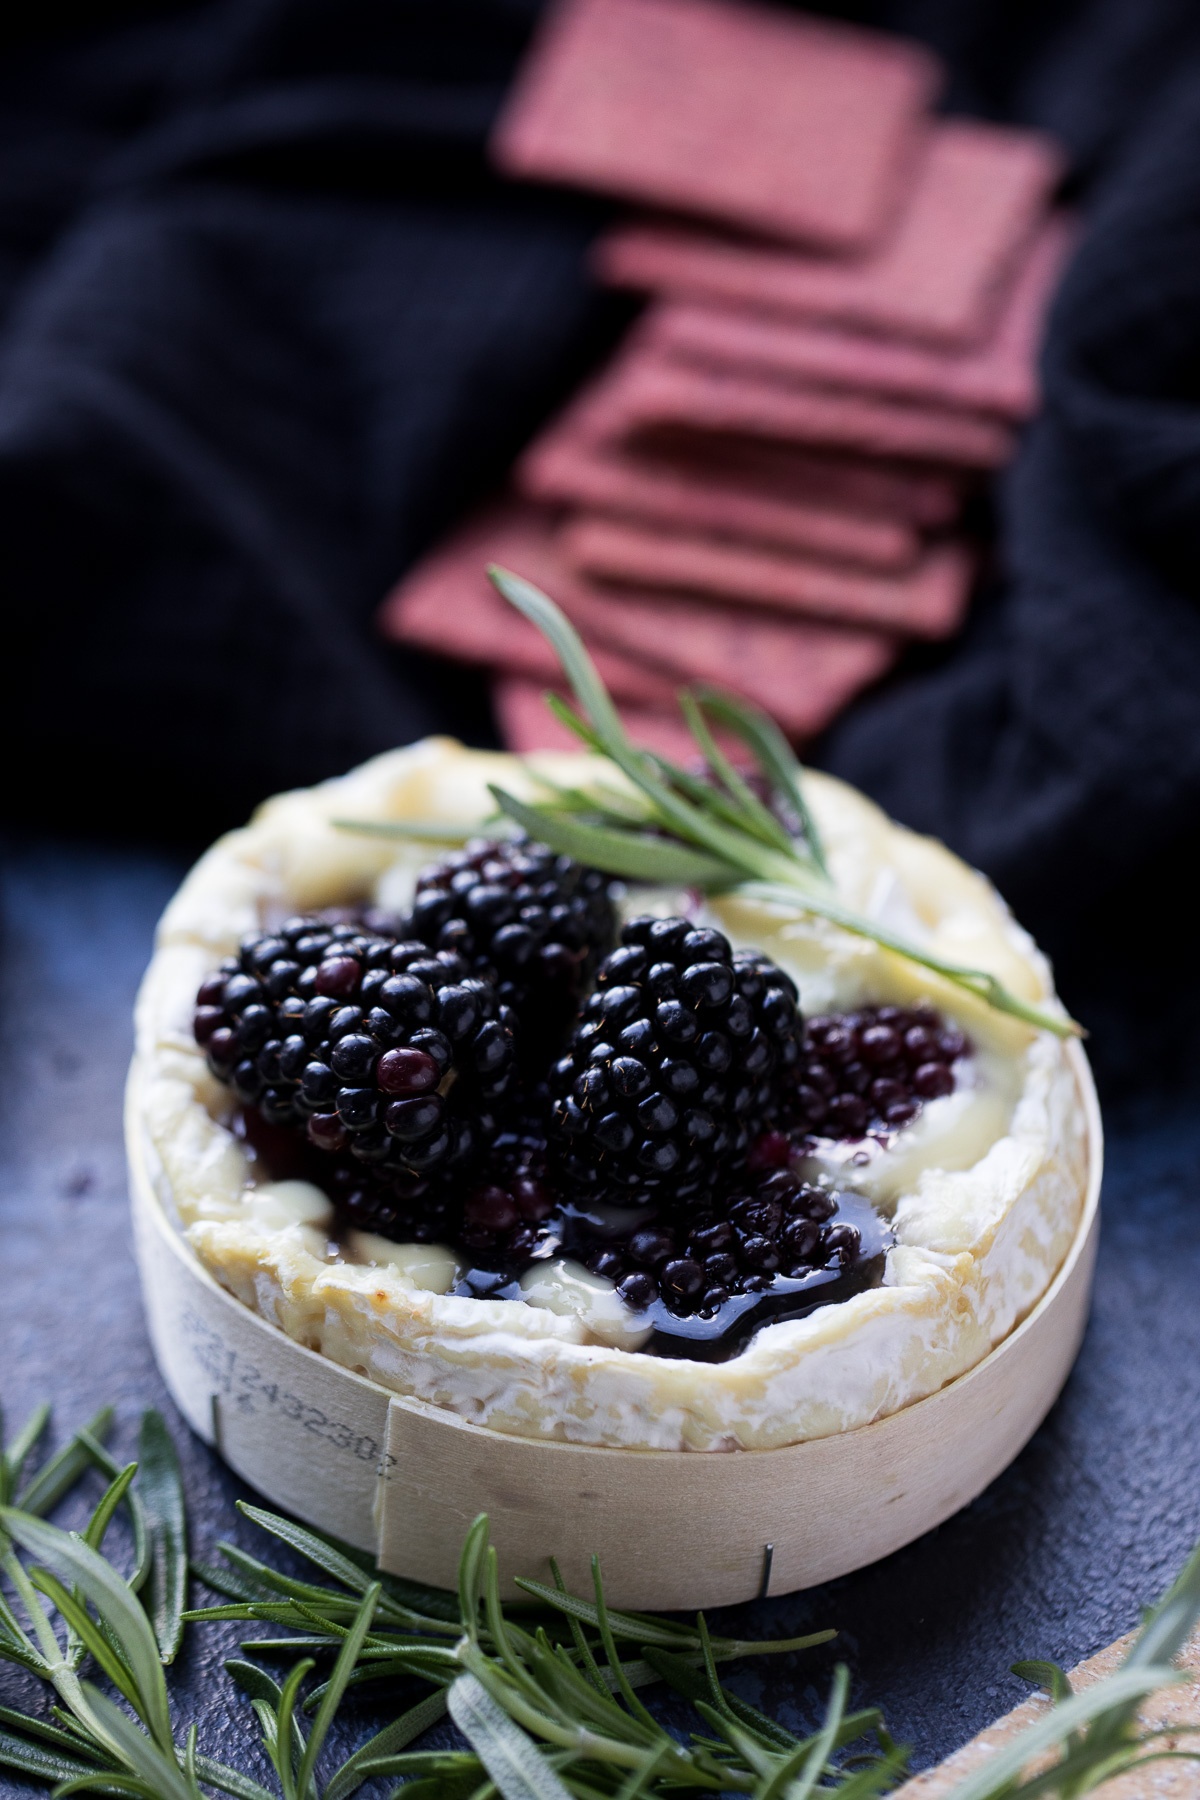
[(1054, 1560)]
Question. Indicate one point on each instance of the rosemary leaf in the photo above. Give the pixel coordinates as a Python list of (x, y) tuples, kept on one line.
[(512, 1759), (389, 1742), (798, 1773), (600, 797), (633, 854), (577, 665), (980, 982), (645, 1629), (108, 1466), (160, 1488), (57, 1477), (1116, 1691), (151, 1763), (14, 1458), (604, 1625), (57, 1764), (1046, 1675), (254, 1682), (69, 1557), (225, 1581), (285, 1744), (273, 1583), (343, 1669), (49, 1734), (420, 831), (111, 1498), (757, 817), (317, 1550), (778, 761), (693, 825), (692, 787)]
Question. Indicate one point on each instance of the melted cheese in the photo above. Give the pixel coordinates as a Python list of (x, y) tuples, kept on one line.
[(985, 1188), (952, 1133)]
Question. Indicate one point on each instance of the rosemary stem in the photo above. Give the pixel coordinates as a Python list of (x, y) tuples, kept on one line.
[(577, 1738), (51, 1649), (985, 986)]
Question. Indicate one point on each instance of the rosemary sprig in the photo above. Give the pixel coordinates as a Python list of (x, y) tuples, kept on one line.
[(715, 835), (419, 831), (547, 1699)]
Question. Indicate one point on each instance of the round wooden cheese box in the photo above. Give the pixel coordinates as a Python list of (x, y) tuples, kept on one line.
[(674, 1529)]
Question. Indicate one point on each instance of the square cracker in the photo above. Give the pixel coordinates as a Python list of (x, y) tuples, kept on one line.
[(561, 466), (939, 277), (645, 390), (802, 673), (681, 496), (762, 118), (927, 602), (999, 375), (448, 606)]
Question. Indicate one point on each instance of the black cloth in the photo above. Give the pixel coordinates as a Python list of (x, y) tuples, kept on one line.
[(1058, 746), (268, 326)]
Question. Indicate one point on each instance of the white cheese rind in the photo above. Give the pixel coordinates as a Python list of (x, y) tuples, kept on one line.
[(976, 1246)]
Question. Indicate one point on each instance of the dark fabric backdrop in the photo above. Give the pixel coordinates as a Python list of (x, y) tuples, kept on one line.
[(267, 326)]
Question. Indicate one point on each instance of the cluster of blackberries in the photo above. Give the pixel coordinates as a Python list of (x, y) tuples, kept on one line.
[(489, 1072), (694, 1261), (683, 1053), (388, 1050), (871, 1070)]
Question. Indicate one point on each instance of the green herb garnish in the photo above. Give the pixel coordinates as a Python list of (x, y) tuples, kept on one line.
[(713, 834), (546, 1694)]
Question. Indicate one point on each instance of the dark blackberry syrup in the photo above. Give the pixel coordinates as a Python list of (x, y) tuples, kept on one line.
[(706, 1280), (850, 1260)]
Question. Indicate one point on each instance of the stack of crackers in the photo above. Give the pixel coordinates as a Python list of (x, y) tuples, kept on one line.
[(846, 299)]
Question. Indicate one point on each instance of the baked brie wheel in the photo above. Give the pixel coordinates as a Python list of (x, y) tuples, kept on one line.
[(898, 1236)]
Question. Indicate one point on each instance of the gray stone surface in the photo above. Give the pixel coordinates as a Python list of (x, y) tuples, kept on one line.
[(1054, 1560)]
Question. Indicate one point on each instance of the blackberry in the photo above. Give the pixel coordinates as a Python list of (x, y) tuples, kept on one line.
[(386, 1049), (772, 1248), (497, 1225), (871, 1070), (503, 1217), (409, 1210), (535, 922), (678, 1061), (496, 1222)]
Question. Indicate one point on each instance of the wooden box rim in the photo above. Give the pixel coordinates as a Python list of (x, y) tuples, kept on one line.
[(402, 1479)]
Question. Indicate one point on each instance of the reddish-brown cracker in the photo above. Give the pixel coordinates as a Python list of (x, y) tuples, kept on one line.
[(744, 113), (939, 277)]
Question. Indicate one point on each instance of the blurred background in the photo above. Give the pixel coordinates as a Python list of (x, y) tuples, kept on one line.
[(850, 355)]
